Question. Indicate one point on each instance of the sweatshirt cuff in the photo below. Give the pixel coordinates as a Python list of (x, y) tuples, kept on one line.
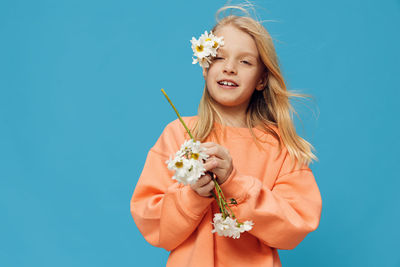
[(193, 204), (236, 186)]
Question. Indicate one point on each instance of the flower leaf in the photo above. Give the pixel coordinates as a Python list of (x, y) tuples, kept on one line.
[(233, 201)]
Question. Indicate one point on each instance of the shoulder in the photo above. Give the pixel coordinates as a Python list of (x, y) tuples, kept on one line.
[(176, 127), (275, 132), (269, 135), (173, 136), (177, 124), (284, 154)]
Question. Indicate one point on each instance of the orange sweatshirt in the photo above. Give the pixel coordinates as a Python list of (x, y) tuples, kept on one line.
[(283, 203)]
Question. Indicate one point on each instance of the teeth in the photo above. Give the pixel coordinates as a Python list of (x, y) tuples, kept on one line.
[(227, 83)]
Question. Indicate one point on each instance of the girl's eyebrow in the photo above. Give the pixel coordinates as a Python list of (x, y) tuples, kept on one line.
[(249, 54), (244, 53)]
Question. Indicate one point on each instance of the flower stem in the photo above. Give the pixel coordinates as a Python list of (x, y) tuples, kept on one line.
[(223, 205), (219, 196), (177, 113)]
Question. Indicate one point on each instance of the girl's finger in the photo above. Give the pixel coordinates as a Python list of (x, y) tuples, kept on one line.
[(220, 167), (211, 164), (205, 179), (206, 189), (208, 144), (218, 151)]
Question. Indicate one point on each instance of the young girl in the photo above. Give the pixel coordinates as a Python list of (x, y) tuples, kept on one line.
[(245, 124)]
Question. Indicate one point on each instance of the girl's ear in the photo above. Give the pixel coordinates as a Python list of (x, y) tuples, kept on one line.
[(259, 86), (262, 83), (205, 70)]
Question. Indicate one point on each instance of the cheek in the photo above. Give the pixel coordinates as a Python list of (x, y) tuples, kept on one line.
[(209, 75), (250, 79), (255, 77)]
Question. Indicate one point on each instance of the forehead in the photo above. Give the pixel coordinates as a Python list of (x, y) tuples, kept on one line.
[(236, 41)]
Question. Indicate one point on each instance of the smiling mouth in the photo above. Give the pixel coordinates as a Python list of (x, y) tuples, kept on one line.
[(228, 83)]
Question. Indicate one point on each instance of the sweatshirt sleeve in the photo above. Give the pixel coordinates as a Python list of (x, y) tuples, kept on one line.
[(283, 215), (165, 212)]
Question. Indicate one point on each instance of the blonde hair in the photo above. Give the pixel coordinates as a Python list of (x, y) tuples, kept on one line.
[(268, 107)]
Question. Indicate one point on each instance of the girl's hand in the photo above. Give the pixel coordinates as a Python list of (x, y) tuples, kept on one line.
[(205, 185), (222, 161)]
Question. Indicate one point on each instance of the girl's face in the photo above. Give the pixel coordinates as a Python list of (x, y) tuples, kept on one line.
[(236, 70)]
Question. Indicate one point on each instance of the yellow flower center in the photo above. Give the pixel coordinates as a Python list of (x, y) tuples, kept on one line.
[(199, 48), (215, 45), (208, 39), (195, 156), (179, 164)]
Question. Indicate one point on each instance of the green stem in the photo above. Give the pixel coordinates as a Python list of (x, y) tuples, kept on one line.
[(233, 214), (220, 198), (216, 199), (177, 113), (213, 194), (224, 207)]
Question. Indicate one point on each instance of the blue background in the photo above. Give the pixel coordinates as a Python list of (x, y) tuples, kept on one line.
[(80, 106)]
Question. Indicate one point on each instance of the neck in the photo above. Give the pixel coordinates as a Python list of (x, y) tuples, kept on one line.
[(233, 116)]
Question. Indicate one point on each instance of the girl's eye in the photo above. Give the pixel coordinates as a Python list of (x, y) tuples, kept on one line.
[(246, 62), (218, 58)]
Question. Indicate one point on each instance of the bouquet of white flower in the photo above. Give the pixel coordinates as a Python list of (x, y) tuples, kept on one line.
[(188, 162), (188, 167), (229, 227)]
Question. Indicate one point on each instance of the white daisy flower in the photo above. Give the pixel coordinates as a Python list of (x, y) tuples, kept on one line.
[(193, 150), (203, 62), (229, 227), (205, 48), (201, 48), (214, 42), (246, 226), (195, 171), (188, 162), (198, 151), (181, 167)]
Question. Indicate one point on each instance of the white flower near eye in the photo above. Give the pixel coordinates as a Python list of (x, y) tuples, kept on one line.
[(229, 227), (203, 62), (213, 42), (205, 48), (200, 47)]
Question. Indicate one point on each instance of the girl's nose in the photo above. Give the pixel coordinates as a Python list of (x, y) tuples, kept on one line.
[(229, 67)]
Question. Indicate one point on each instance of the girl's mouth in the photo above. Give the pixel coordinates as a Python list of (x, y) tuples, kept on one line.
[(228, 84)]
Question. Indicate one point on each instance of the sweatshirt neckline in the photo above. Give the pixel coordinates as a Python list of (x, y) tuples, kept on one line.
[(237, 131), (242, 131)]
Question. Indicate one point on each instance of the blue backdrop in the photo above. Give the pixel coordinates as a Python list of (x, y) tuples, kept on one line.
[(80, 106)]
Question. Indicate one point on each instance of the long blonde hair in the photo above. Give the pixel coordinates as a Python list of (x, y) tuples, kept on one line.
[(271, 106)]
